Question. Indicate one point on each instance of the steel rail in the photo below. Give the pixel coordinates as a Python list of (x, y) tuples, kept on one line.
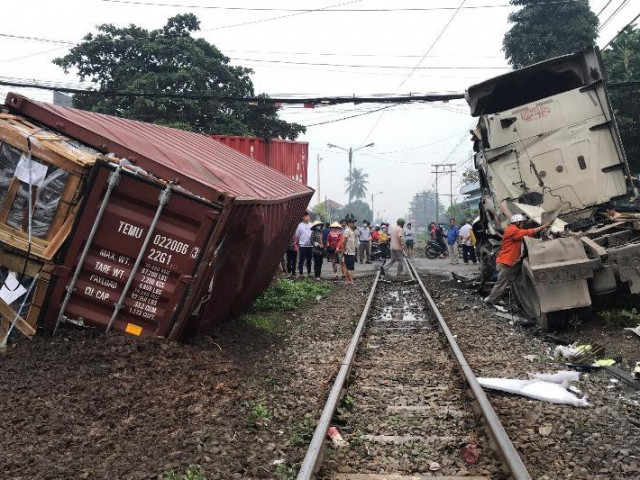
[(313, 458), (506, 450)]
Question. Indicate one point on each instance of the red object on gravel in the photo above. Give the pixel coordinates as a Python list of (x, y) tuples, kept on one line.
[(470, 453)]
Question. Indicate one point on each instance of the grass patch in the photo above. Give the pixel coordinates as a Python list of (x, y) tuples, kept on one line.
[(302, 431), (259, 414), (620, 318), (285, 472), (194, 472), (267, 323), (288, 295)]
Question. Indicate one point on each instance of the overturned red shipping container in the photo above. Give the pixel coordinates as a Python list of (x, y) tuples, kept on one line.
[(288, 157), (233, 234)]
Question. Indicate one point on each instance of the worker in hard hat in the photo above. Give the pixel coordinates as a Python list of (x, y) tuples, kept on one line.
[(508, 261)]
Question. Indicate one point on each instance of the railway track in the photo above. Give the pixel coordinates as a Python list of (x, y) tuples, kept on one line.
[(406, 400)]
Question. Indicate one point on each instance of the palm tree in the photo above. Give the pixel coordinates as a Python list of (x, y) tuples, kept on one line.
[(357, 183)]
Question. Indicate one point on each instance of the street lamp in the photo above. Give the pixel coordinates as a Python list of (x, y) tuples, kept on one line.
[(350, 150), (372, 210)]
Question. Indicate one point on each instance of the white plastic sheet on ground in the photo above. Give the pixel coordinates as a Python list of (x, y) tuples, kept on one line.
[(546, 387)]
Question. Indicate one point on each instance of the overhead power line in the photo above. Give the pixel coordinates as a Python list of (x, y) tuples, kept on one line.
[(604, 8), (394, 67), (36, 39), (613, 15), (324, 10), (617, 35), (350, 116), (279, 17), (368, 55), (436, 97), (415, 68)]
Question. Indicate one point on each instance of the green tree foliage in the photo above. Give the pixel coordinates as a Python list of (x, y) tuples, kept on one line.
[(320, 212), (460, 213), (542, 30), (170, 60), (358, 182), (622, 62), (423, 209), (359, 209)]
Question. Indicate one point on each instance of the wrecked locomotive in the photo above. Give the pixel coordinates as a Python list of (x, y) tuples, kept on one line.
[(547, 146)]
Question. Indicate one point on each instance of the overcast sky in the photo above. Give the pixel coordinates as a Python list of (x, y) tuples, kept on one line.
[(367, 52)]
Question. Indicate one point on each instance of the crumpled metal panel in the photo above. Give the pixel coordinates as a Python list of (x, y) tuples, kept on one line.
[(559, 269), (628, 261), (247, 259), (558, 260)]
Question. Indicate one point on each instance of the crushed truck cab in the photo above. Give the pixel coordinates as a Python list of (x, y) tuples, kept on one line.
[(547, 145)]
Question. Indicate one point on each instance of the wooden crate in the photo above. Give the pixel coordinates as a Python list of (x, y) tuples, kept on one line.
[(38, 256)]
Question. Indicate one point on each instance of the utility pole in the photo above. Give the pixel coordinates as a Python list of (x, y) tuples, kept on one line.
[(318, 173), (350, 150), (426, 216), (326, 209), (437, 171), (350, 179), (372, 210)]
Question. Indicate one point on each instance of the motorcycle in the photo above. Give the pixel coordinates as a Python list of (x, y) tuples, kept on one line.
[(376, 252), (435, 249)]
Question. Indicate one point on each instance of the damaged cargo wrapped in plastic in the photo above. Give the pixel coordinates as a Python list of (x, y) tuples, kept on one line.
[(547, 146), (170, 232), (42, 179)]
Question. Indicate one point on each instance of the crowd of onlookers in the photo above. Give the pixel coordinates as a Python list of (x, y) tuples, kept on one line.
[(453, 239), (344, 243)]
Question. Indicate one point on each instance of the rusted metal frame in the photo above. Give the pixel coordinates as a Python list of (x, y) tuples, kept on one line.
[(505, 447), (17, 315), (313, 458), (70, 288), (163, 199)]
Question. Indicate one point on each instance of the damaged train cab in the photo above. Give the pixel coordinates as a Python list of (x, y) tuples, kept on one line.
[(547, 146)]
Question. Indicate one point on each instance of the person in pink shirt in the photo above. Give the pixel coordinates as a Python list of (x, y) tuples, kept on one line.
[(397, 245)]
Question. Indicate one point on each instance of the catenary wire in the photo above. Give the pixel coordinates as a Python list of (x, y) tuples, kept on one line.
[(415, 68), (604, 8), (279, 17), (614, 38), (395, 67), (615, 13), (326, 10)]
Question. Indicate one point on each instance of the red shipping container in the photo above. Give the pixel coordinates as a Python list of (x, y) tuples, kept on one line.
[(170, 270), (288, 157), (258, 224)]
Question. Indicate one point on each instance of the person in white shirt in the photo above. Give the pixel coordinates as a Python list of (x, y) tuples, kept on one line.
[(409, 238), (305, 247), (364, 234), (466, 240)]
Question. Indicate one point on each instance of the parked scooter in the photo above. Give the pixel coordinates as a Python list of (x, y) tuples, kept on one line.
[(376, 252), (435, 249)]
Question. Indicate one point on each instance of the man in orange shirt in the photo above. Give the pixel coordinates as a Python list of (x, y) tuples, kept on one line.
[(508, 258)]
